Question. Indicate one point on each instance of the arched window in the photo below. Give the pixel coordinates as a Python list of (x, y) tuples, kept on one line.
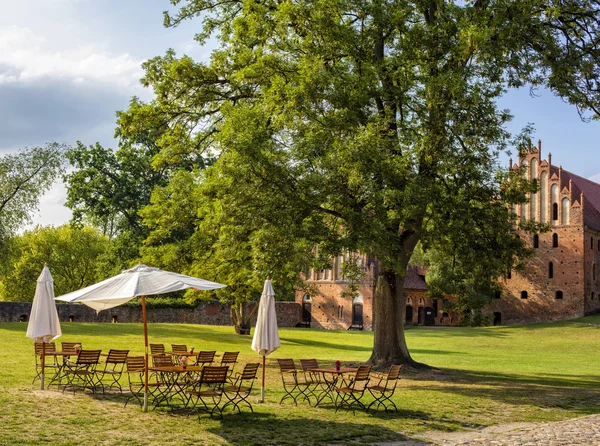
[(555, 211), (555, 240), (593, 271), (523, 294), (550, 270), (554, 200), (564, 217), (544, 196), (559, 294), (509, 274), (536, 241), (409, 300)]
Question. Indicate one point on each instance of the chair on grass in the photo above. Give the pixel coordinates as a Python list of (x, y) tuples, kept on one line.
[(81, 373), (385, 388), (209, 387), (317, 387), (162, 360), (240, 390), (50, 361), (113, 368), (71, 347), (230, 359), (205, 358), (157, 349), (294, 385), (135, 377), (179, 348), (351, 392)]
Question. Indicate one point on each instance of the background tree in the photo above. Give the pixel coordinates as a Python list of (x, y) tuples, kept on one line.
[(71, 253), (375, 121), (24, 177)]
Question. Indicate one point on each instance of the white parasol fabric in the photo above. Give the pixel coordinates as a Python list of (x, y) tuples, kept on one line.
[(44, 325), (266, 334), (139, 281)]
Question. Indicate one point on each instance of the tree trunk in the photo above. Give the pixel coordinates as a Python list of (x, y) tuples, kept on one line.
[(241, 316)]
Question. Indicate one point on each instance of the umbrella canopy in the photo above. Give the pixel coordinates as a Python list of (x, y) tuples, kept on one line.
[(139, 281), (266, 335), (44, 325)]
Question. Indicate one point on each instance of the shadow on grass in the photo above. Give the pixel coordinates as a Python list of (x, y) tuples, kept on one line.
[(268, 429), (579, 394)]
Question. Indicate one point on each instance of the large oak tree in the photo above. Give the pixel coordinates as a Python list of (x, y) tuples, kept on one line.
[(369, 125)]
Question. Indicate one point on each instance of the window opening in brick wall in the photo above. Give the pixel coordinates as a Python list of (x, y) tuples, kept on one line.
[(497, 294), (71, 318), (23, 318), (559, 294), (114, 319), (598, 244), (536, 241), (555, 240), (523, 294), (592, 298), (591, 242), (593, 271), (555, 211), (550, 270), (509, 275)]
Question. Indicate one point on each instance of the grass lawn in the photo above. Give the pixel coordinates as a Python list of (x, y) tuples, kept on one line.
[(493, 375)]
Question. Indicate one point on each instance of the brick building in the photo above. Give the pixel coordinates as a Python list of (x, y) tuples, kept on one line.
[(328, 305), (560, 279)]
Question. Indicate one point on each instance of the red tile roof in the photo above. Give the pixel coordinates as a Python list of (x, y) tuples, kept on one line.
[(415, 279)]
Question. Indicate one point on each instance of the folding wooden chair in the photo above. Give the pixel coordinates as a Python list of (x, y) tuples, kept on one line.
[(205, 358), (230, 359), (157, 349), (179, 348), (385, 388), (83, 369), (209, 387), (350, 393), (294, 385), (162, 360), (113, 368), (135, 377), (240, 390), (71, 347), (50, 362), (317, 387)]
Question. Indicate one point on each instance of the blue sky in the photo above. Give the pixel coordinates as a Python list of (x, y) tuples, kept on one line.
[(66, 66)]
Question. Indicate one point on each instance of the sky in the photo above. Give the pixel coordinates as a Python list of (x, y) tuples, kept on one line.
[(67, 66)]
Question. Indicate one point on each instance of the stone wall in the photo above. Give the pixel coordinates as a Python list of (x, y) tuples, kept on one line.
[(210, 313)]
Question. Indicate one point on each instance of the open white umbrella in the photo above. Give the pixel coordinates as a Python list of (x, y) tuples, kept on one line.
[(139, 281), (44, 325), (266, 335)]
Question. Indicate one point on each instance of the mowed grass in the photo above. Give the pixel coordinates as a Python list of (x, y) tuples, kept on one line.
[(484, 376)]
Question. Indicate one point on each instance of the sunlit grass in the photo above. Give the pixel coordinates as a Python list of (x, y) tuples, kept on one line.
[(487, 376)]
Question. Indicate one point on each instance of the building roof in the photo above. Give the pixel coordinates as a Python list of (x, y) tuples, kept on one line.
[(415, 279), (591, 197)]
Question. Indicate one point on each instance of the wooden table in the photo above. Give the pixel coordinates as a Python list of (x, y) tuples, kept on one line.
[(331, 376)]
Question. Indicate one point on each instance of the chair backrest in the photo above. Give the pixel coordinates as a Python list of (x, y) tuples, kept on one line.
[(179, 348), (206, 357), (88, 357), (50, 347), (157, 348), (162, 360), (135, 364), (286, 365), (71, 347), (229, 357), (363, 372), (250, 371), (394, 373), (117, 356), (308, 364), (214, 375)]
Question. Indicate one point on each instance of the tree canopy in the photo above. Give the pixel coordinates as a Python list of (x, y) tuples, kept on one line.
[(366, 125), (24, 177)]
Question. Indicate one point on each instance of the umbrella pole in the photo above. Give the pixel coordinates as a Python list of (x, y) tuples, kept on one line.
[(145, 354), (43, 364), (262, 386)]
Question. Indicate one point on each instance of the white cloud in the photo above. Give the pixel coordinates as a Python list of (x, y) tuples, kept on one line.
[(52, 210), (595, 178), (28, 57)]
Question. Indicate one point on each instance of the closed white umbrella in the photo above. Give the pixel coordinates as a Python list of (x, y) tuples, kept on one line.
[(44, 325), (139, 281), (266, 334)]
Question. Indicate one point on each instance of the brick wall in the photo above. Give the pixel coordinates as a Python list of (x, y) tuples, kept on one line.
[(210, 313)]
